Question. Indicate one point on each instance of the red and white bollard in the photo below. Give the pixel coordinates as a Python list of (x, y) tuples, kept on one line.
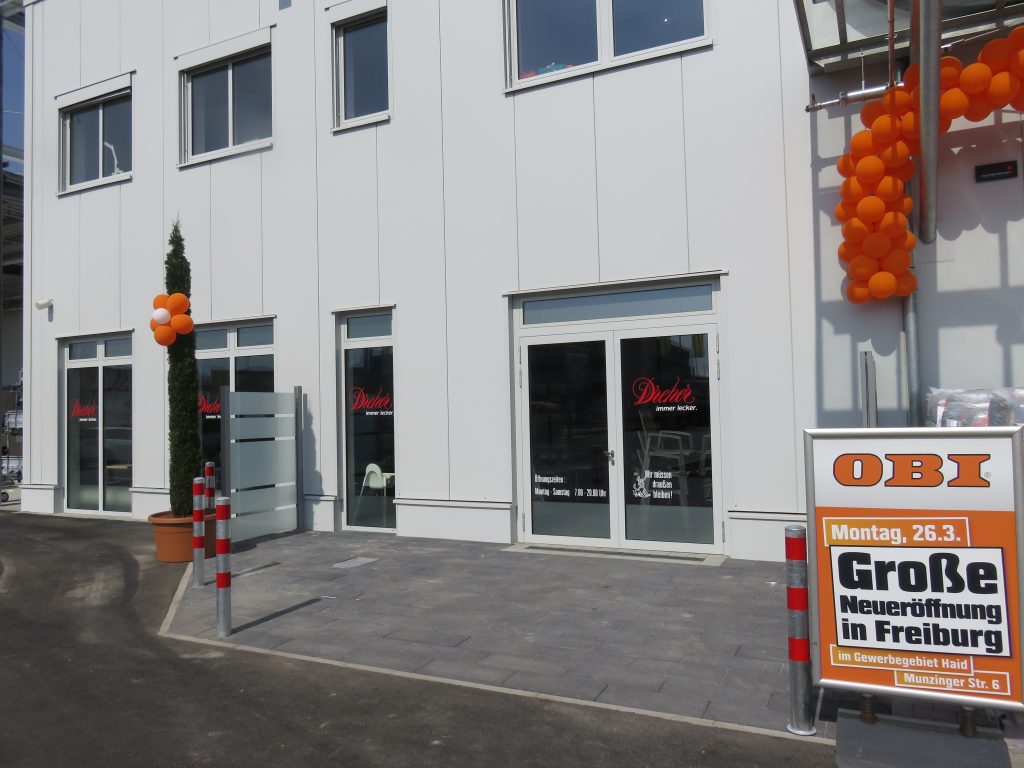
[(223, 567), (209, 471), (801, 720), (198, 531)]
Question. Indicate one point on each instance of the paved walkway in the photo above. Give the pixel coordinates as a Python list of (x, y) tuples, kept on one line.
[(668, 635)]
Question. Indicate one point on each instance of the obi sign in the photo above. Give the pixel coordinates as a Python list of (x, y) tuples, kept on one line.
[(913, 540)]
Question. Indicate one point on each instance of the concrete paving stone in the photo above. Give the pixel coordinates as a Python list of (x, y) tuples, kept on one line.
[(652, 701), (433, 635), (720, 692), (472, 673), (458, 655), (373, 656), (524, 664), (335, 648), (253, 638), (617, 675), (764, 652), (759, 717), (704, 672), (754, 680), (568, 685)]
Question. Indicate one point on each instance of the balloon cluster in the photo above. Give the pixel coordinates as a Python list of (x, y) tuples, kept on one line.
[(873, 206), (170, 318)]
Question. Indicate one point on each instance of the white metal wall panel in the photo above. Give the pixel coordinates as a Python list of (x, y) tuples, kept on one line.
[(236, 237), (737, 220), (641, 171), (61, 49), (556, 185), (480, 246), (412, 251), (99, 244), (229, 18), (101, 41), (292, 281)]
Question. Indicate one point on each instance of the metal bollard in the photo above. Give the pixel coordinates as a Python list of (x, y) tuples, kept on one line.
[(223, 567), (801, 718), (210, 471), (198, 532)]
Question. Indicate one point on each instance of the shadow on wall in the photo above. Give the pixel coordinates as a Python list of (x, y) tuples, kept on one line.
[(312, 479), (969, 305)]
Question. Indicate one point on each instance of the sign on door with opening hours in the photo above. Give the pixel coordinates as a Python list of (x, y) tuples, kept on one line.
[(914, 538)]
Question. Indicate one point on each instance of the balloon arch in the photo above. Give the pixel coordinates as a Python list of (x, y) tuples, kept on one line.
[(873, 206)]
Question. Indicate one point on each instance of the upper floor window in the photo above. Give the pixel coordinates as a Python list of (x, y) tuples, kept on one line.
[(553, 36), (96, 140), (227, 105), (361, 64)]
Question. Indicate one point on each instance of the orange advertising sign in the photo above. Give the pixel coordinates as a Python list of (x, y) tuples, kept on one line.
[(914, 542)]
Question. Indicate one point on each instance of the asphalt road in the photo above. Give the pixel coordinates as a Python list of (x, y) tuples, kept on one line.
[(86, 681)]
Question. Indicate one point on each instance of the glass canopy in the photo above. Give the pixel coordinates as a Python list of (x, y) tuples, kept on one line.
[(837, 33)]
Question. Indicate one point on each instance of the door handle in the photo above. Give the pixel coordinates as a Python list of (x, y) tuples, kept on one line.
[(611, 455)]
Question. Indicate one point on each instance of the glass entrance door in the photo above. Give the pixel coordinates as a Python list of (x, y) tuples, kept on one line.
[(619, 439)]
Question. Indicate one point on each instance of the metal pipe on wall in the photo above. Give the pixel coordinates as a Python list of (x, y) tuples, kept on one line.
[(929, 17)]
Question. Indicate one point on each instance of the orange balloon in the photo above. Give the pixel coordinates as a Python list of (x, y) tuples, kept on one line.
[(876, 245), (870, 209), (882, 285), (912, 76), (949, 71), (1018, 103), (857, 291), (152, 324), (895, 155), (871, 112), (896, 261), (906, 284), (979, 109), (1003, 89), (870, 169), (1017, 62), (896, 101), (1016, 38), (164, 335), (996, 54), (953, 104), (160, 301), (907, 241), (914, 146), (905, 172), (944, 125), (182, 324), (845, 211), (862, 144), (861, 268), (889, 189), (846, 166), (855, 230), (851, 190), (885, 130), (909, 127), (904, 205), (848, 250), (975, 78), (177, 303), (893, 224)]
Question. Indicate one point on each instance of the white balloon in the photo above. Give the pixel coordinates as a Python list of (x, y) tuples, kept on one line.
[(161, 316)]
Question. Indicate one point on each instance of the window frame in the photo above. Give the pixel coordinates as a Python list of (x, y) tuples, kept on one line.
[(64, 185), (341, 16), (344, 344), (606, 58), (186, 156)]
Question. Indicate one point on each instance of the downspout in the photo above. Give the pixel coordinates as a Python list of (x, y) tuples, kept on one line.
[(924, 50)]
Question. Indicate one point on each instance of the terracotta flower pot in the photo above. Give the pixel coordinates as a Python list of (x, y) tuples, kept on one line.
[(173, 536)]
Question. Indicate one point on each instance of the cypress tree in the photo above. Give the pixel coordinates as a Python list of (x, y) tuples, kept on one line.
[(182, 387)]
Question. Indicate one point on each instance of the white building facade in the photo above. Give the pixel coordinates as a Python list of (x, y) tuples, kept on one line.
[(558, 273)]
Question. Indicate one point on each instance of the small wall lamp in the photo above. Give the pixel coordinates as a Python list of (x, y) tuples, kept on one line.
[(44, 303)]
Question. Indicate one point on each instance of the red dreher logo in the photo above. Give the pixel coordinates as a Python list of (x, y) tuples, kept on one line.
[(364, 402), (79, 411), (646, 390)]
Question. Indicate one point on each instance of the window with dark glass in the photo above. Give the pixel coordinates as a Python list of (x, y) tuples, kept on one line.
[(230, 104), (97, 140), (556, 35), (362, 56)]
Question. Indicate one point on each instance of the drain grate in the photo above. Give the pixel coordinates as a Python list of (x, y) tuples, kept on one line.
[(355, 562)]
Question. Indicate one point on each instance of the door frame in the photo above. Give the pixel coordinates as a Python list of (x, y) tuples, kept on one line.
[(612, 330)]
